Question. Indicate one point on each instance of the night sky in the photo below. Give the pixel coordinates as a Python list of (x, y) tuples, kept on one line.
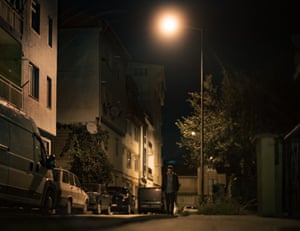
[(240, 35)]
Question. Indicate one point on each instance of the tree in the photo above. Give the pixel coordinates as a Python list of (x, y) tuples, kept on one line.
[(189, 126), (88, 158), (228, 129)]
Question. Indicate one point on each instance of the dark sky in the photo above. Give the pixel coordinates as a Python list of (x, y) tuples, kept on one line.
[(241, 35)]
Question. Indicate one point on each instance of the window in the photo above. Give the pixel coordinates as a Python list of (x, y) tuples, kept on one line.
[(17, 4), (128, 127), (35, 16), (136, 164), (50, 31), (144, 161), (34, 81), (128, 159), (65, 177), (136, 134), (26, 146), (49, 92), (150, 175), (117, 146), (47, 145)]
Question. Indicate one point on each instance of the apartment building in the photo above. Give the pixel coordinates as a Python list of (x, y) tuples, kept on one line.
[(28, 60), (94, 88), (150, 79)]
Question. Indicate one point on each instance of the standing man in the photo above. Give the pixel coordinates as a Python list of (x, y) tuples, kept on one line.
[(170, 186)]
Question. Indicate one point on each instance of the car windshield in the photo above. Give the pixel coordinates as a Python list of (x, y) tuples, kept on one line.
[(92, 187), (117, 190)]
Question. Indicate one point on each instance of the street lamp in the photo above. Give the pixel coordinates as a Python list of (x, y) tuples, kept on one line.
[(170, 23)]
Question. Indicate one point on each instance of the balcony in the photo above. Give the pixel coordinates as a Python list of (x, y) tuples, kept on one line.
[(11, 19), (11, 92)]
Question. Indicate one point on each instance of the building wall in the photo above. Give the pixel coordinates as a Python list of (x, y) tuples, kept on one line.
[(26, 47), (150, 79), (37, 51), (92, 89), (79, 75)]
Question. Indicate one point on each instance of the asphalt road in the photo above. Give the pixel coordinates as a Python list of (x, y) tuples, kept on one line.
[(213, 223), (23, 221)]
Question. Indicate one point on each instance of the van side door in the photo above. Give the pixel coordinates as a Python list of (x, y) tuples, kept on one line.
[(21, 163), (4, 160), (39, 171)]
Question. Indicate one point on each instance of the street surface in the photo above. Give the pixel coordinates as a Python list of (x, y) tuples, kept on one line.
[(214, 223), (33, 221)]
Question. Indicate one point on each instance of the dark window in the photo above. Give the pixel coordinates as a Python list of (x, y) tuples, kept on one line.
[(49, 92), (17, 4), (50, 28), (65, 177), (35, 16), (35, 79), (26, 146)]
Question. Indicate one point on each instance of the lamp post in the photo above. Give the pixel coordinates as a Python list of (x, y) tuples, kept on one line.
[(201, 112), (201, 119), (169, 24)]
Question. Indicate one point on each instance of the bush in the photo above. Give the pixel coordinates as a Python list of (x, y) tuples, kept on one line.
[(221, 208)]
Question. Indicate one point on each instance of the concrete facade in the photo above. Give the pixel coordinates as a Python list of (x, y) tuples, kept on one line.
[(28, 40), (150, 79), (94, 87)]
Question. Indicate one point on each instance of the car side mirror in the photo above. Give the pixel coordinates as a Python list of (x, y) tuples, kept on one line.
[(50, 162)]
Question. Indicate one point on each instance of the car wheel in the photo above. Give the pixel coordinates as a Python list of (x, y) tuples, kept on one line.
[(129, 209), (98, 209), (84, 209), (69, 207), (109, 210), (48, 207)]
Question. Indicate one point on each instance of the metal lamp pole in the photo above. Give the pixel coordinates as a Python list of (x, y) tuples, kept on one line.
[(201, 111), (202, 120), (167, 26)]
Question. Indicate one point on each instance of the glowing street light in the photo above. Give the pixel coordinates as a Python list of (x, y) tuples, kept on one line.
[(169, 22)]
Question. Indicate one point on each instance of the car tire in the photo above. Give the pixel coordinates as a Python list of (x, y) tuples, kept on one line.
[(85, 207), (48, 206), (98, 209), (109, 210), (69, 207), (129, 209)]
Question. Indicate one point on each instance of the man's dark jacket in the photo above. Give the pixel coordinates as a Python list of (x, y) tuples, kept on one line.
[(175, 182)]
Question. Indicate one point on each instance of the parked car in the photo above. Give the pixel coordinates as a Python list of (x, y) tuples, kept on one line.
[(70, 192), (26, 177), (122, 199), (190, 209), (99, 199), (150, 200)]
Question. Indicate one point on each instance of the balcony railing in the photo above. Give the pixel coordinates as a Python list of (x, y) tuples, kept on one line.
[(11, 92), (12, 17)]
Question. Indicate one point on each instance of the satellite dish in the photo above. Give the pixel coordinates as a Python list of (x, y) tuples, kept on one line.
[(91, 127)]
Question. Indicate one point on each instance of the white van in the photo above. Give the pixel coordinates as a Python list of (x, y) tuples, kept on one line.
[(26, 176)]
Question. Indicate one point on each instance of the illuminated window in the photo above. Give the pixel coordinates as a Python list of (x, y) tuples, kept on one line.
[(136, 164), (128, 159)]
